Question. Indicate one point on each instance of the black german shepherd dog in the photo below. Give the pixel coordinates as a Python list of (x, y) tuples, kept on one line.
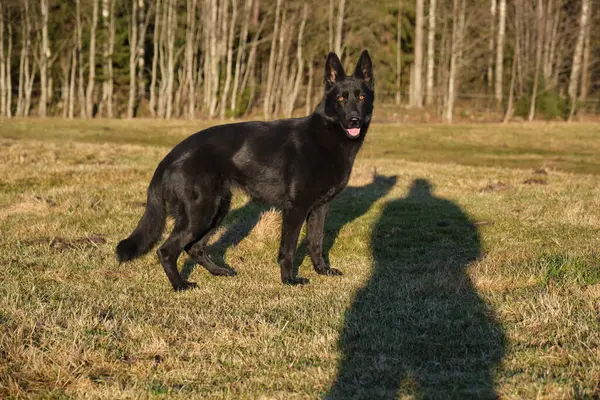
[(297, 165)]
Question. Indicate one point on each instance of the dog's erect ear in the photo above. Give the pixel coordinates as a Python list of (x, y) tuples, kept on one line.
[(364, 68), (334, 71)]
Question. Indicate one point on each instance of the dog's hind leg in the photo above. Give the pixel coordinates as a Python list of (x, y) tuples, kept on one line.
[(315, 225), (193, 221), (197, 250), (290, 230)]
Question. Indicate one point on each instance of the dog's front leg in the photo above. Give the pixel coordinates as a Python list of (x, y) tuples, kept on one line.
[(290, 230), (315, 226)]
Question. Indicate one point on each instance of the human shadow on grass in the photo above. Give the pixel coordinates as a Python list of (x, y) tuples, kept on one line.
[(351, 204), (418, 327)]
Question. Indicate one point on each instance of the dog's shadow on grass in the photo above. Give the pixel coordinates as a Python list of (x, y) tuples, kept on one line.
[(418, 328), (352, 203)]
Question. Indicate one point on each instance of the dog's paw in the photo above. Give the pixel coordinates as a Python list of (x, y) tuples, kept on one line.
[(223, 271), (186, 286), (328, 271), (295, 281)]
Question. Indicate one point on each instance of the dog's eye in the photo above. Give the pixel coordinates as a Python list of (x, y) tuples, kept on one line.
[(361, 97), (341, 98)]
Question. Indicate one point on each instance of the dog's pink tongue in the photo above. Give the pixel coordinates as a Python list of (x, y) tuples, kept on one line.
[(353, 131)]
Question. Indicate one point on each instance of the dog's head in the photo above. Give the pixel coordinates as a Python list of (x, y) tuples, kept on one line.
[(349, 99)]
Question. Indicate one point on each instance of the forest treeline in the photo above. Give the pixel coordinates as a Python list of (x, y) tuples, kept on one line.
[(229, 58)]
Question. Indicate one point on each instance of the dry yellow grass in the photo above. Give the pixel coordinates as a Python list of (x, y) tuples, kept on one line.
[(460, 279)]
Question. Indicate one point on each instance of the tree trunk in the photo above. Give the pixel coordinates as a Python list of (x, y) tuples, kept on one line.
[(500, 52), (490, 73), (300, 68), (309, 87), (338, 45), (172, 29), (511, 90), (92, 66), (44, 54), (9, 74), (585, 69), (240, 55), (430, 52), (132, 59), (453, 62), (271, 71), (111, 50), (331, 17), (576, 66), (398, 52), (538, 57), (155, 58), (228, 66), (416, 100), (81, 91), (189, 58), (71, 106), (29, 74), (214, 60), (141, 33), (2, 64)]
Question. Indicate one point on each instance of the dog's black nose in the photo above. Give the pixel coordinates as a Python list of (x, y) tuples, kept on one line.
[(354, 122)]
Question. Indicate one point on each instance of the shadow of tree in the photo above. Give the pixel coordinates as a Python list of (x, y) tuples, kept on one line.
[(418, 327)]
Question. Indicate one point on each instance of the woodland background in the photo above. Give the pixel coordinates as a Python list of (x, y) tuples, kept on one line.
[(190, 59)]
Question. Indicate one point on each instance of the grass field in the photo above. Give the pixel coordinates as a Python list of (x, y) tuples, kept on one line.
[(471, 260)]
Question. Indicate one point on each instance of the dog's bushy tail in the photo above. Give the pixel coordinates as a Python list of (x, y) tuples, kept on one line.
[(150, 227)]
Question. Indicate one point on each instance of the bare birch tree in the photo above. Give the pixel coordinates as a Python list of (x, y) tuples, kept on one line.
[(339, 29), (44, 55), (92, 66), (80, 87), (500, 52), (2, 64), (490, 73), (430, 52), (576, 66), (271, 71), (538, 57), (398, 52), (155, 55), (416, 94), (132, 58)]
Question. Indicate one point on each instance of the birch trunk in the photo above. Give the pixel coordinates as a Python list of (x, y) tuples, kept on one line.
[(44, 55), (2, 63), (338, 45), (271, 71), (240, 55), (576, 66), (511, 90), (92, 66), (141, 50), (9, 74), (453, 64), (29, 74), (155, 59), (398, 52), (309, 87), (331, 17), (500, 52), (71, 106), (189, 58), (300, 67), (230, 37), (490, 73), (538, 57), (132, 59), (585, 69), (172, 29), (416, 100), (81, 92), (430, 52)]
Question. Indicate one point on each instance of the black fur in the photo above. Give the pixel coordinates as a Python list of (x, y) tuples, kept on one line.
[(297, 165)]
